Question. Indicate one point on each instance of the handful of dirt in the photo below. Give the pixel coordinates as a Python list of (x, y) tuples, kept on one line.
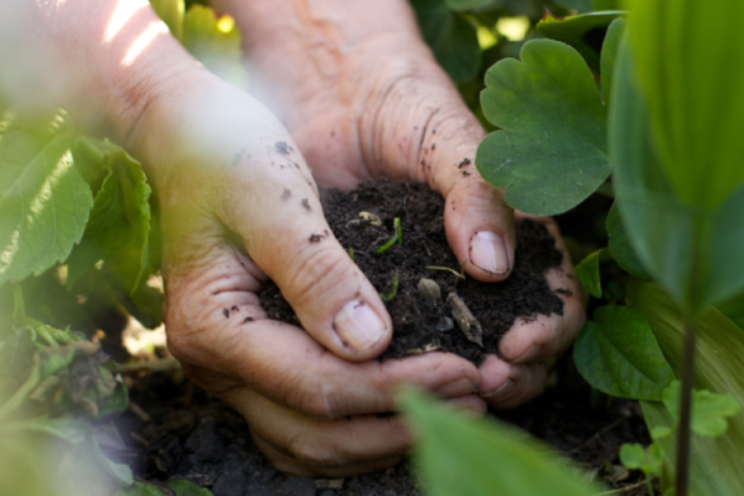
[(433, 305)]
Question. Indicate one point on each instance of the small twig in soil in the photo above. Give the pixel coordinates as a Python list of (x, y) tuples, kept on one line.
[(624, 489), (139, 412), (459, 275), (391, 294), (605, 430)]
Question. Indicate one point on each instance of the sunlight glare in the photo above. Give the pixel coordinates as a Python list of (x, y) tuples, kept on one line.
[(143, 40), (124, 11), (513, 28), (44, 196)]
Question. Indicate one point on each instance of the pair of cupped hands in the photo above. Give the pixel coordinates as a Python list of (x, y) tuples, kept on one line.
[(354, 93)]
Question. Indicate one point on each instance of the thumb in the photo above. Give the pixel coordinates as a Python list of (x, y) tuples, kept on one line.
[(288, 237)]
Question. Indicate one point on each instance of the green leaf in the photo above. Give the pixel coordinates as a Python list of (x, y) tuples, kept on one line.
[(584, 32), (551, 153), (588, 273), (734, 309), (44, 201), (119, 472), (693, 252), (171, 12), (690, 65), (716, 465), (177, 488), (578, 5), (452, 38), (609, 55), (455, 454), (465, 5), (185, 488), (119, 226), (620, 247), (117, 401), (709, 410), (632, 456), (215, 42), (618, 354)]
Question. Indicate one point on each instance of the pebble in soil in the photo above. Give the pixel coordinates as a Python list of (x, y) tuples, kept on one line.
[(365, 220)]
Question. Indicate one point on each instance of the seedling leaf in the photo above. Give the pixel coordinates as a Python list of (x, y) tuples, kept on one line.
[(709, 410), (397, 236), (393, 291), (588, 273), (618, 354), (551, 151)]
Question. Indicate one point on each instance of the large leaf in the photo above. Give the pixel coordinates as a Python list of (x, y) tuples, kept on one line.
[(171, 12), (609, 56), (618, 354), (461, 455), (716, 464), (694, 252), (588, 273), (690, 63), (452, 38), (620, 247), (44, 201), (584, 32), (551, 153), (119, 226)]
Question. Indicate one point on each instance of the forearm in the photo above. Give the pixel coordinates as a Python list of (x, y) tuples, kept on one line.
[(105, 61)]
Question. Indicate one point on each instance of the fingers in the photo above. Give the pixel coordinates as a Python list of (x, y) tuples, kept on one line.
[(505, 385), (535, 340)]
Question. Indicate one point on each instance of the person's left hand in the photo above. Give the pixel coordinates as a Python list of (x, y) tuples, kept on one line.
[(363, 97)]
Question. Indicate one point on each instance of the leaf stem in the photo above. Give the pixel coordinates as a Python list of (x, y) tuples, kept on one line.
[(446, 269), (685, 410)]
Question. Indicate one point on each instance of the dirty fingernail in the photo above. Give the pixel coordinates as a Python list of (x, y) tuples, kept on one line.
[(488, 251), (528, 355), (501, 392), (458, 387), (359, 325)]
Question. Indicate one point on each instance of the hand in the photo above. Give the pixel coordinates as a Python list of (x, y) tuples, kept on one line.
[(238, 204), (363, 97)]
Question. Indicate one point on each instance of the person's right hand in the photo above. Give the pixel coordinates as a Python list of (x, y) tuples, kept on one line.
[(238, 203)]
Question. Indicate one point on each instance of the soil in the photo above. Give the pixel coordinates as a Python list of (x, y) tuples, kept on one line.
[(179, 432), (424, 319)]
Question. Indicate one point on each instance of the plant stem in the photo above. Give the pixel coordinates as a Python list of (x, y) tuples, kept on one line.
[(685, 410)]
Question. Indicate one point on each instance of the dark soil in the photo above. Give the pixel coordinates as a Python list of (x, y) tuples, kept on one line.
[(179, 432), (364, 220)]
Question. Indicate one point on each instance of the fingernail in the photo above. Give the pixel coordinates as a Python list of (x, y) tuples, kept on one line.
[(488, 251), (501, 392), (457, 387), (358, 325), (528, 355)]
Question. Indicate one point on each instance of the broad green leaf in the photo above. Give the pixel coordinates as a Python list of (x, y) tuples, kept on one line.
[(690, 64), (693, 252), (551, 153), (716, 466), (632, 455), (609, 55), (455, 454), (618, 354), (68, 428), (119, 226), (215, 42), (620, 247), (119, 472), (578, 5), (583, 32), (452, 38), (185, 488), (465, 5), (44, 201), (588, 273), (171, 12), (734, 309), (709, 410)]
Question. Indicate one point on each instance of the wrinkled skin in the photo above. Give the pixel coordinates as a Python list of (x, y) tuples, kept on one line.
[(360, 96)]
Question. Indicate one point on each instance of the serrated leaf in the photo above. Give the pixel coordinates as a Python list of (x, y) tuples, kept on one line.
[(609, 55), (709, 410), (457, 455), (44, 201), (119, 226), (215, 42), (620, 247), (584, 32), (618, 354), (695, 253), (588, 273), (716, 466), (452, 38), (690, 66), (551, 153)]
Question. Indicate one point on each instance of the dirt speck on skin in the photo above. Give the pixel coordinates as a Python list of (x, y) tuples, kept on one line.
[(421, 324), (286, 194), (465, 161), (283, 148), (306, 204), (315, 238)]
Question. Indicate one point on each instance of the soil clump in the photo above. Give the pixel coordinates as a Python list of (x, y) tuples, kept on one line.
[(417, 273)]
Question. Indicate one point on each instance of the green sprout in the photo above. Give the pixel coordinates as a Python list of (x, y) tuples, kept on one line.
[(397, 236), (351, 252), (460, 275), (391, 294)]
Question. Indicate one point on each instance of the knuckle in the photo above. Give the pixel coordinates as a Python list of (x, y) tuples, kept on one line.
[(306, 449), (318, 273), (313, 397)]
